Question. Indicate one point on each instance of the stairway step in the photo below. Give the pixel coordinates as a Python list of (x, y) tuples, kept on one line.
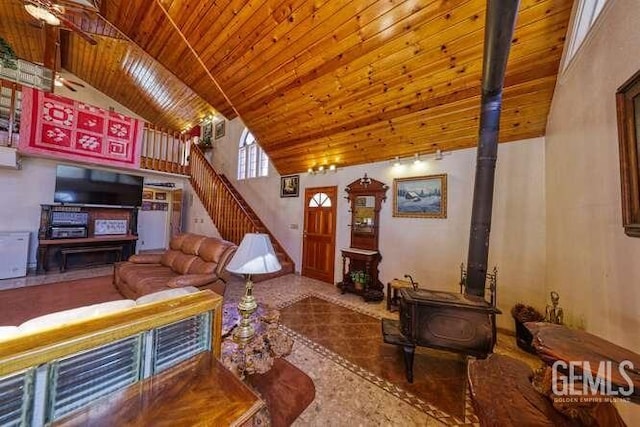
[(287, 268)]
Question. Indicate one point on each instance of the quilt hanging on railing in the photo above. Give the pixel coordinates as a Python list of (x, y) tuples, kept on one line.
[(55, 126)]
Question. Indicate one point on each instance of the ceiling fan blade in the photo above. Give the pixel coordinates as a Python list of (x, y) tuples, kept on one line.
[(69, 24)]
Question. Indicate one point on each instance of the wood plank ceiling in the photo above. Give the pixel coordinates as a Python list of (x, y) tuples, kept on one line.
[(327, 82)]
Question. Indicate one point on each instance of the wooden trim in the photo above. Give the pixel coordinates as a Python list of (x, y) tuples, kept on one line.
[(629, 147), (40, 347)]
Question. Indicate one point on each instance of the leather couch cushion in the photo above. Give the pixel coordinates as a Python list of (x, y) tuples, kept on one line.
[(167, 258), (191, 244), (166, 294), (213, 249), (176, 241), (201, 267), (74, 315), (182, 262)]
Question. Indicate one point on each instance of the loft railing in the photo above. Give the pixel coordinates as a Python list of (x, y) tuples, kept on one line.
[(10, 108), (165, 151)]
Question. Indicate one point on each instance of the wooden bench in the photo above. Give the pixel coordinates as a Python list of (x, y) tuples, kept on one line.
[(117, 249)]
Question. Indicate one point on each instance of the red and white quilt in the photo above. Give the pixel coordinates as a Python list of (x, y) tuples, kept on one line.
[(55, 126)]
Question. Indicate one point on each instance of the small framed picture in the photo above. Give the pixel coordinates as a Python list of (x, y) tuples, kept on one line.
[(219, 130), (290, 186), (206, 131), (147, 194), (161, 195)]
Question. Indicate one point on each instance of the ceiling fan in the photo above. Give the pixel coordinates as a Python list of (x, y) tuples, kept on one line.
[(53, 14), (51, 17)]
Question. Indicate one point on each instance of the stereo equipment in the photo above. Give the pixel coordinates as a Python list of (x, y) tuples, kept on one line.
[(68, 232), (69, 218)]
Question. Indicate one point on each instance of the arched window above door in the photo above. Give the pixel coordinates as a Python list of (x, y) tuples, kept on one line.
[(252, 160), (320, 200)]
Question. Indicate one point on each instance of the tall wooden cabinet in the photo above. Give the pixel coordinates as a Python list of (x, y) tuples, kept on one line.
[(360, 261)]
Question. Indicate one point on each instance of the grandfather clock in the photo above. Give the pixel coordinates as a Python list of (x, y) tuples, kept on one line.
[(360, 261)]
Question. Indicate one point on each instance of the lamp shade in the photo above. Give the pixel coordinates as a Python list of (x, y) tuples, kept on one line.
[(255, 255)]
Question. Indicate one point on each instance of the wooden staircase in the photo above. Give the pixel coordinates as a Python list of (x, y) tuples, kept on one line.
[(230, 213)]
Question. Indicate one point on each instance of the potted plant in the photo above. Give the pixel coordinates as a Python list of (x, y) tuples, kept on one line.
[(359, 279), (7, 55), (523, 313)]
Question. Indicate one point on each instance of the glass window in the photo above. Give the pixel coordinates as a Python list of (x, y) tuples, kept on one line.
[(252, 160), (320, 200), (586, 14)]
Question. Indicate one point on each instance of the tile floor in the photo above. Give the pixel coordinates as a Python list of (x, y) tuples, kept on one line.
[(344, 395)]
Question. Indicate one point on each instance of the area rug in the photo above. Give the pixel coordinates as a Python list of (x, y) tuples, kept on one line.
[(354, 340), (21, 304)]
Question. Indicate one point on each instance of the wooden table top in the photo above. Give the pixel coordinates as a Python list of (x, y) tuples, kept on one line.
[(557, 342), (197, 392)]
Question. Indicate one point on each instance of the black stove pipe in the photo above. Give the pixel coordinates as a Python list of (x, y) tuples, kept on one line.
[(499, 26)]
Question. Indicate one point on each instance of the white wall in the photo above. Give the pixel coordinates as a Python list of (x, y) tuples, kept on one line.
[(431, 250), (590, 261)]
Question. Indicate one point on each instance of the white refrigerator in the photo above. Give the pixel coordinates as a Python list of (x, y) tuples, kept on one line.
[(14, 252)]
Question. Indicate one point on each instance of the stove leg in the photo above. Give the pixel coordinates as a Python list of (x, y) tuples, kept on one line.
[(408, 351)]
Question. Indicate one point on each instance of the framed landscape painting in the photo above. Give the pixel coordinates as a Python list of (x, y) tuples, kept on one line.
[(420, 197)]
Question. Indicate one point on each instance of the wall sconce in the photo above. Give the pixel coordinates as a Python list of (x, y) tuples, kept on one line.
[(416, 159), (322, 169), (396, 162)]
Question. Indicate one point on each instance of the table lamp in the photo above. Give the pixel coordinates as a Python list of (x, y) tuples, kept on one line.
[(255, 255)]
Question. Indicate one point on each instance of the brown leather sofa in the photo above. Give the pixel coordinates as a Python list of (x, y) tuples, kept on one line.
[(191, 260)]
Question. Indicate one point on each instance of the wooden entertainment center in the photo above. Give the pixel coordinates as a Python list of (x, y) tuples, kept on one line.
[(72, 236)]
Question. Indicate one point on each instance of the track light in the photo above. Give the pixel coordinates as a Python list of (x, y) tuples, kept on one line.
[(396, 162), (416, 159)]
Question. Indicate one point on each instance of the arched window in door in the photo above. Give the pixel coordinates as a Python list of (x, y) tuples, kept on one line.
[(252, 160), (320, 200)]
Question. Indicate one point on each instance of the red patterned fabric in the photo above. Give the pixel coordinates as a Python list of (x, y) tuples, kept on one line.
[(60, 127)]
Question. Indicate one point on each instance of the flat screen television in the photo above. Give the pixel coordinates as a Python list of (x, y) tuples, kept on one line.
[(76, 185)]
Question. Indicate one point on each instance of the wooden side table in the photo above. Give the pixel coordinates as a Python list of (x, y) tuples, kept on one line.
[(257, 355)]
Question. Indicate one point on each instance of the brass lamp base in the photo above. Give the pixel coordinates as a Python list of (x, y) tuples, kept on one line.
[(247, 306)]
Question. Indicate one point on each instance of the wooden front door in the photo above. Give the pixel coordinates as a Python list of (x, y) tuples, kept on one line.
[(319, 237)]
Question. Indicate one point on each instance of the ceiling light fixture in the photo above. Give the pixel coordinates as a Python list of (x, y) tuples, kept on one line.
[(322, 169), (41, 14)]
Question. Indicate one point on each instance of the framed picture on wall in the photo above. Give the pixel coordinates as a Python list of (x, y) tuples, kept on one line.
[(290, 186), (220, 129), (628, 108), (207, 132), (420, 197)]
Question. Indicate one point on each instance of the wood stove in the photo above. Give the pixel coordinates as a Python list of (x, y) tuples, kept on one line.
[(450, 321)]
